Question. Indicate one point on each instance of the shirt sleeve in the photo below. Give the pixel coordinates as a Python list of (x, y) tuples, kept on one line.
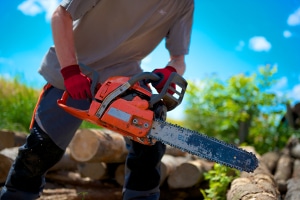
[(178, 38), (78, 8)]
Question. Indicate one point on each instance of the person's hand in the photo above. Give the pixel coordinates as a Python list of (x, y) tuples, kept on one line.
[(76, 83), (164, 74)]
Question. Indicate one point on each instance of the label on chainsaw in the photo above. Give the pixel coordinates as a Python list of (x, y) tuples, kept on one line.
[(203, 146), (119, 114)]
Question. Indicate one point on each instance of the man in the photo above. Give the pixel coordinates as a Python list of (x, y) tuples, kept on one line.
[(111, 37)]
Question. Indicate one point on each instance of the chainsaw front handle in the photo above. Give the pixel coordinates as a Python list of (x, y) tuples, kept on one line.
[(171, 96)]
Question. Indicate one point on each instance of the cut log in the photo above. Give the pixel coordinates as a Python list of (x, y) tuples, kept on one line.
[(7, 156), (174, 151), (94, 145), (295, 151), (169, 164), (257, 185), (283, 172), (293, 189), (7, 139), (20, 138), (95, 170), (284, 168), (120, 174), (65, 163), (296, 169), (270, 159), (186, 175), (72, 178), (5, 164), (10, 153)]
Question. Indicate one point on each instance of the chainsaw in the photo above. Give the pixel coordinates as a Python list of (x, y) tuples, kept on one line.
[(122, 105)]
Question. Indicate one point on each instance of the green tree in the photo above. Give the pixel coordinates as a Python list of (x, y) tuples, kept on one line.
[(239, 110)]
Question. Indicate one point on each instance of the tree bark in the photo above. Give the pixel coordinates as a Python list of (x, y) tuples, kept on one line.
[(283, 172), (243, 131), (7, 139), (94, 145), (293, 189), (270, 159), (295, 151), (257, 185), (289, 116), (296, 169)]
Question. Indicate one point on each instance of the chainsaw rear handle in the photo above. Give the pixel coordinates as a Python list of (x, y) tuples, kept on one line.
[(95, 77)]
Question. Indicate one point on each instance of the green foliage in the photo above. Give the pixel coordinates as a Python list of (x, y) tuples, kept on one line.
[(17, 103), (86, 124), (219, 179), (219, 109)]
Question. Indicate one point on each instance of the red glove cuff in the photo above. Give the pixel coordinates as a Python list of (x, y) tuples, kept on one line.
[(172, 69), (69, 71)]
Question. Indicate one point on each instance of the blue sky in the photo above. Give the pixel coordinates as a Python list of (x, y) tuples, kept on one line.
[(229, 37)]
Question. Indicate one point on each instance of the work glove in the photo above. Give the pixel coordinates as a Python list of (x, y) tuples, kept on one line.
[(164, 74), (76, 83)]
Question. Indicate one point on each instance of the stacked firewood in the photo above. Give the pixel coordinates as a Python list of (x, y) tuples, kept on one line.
[(96, 150), (276, 178), (98, 155)]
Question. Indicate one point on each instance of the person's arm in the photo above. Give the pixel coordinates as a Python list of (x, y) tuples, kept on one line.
[(62, 30), (76, 83), (178, 63)]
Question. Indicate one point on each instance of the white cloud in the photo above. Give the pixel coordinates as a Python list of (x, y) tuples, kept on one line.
[(294, 18), (295, 93), (280, 86), (240, 46), (35, 7), (287, 34), (281, 83), (259, 43)]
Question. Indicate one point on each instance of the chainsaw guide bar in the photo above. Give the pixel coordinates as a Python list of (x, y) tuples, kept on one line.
[(203, 146)]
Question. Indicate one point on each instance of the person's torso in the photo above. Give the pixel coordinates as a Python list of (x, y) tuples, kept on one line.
[(115, 35)]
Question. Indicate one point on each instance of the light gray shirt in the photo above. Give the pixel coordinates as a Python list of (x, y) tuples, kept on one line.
[(113, 36)]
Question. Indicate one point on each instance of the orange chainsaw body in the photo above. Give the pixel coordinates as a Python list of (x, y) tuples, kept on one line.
[(130, 117)]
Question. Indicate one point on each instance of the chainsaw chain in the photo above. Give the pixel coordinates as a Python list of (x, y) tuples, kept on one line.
[(181, 129)]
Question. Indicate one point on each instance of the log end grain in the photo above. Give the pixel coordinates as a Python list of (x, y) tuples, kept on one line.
[(84, 145), (186, 175)]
